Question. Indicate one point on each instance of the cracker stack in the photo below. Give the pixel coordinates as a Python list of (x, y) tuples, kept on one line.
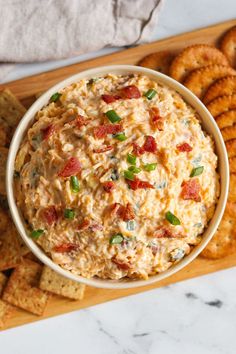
[(210, 73), (24, 282)]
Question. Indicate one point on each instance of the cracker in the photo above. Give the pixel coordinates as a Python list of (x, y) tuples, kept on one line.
[(229, 133), (231, 147), (21, 289), (10, 255), (11, 110), (199, 80), (225, 86), (222, 104), (5, 312), (3, 161), (3, 281), (4, 220), (228, 45), (226, 119), (159, 61), (223, 242), (232, 189), (55, 283), (232, 165), (3, 135), (195, 57)]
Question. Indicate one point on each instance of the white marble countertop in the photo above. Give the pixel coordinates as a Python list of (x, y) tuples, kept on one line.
[(197, 316)]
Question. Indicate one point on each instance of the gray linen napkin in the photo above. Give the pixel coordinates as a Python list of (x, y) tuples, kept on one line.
[(39, 30)]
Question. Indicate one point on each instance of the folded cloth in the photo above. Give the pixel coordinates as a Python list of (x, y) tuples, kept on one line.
[(55, 29)]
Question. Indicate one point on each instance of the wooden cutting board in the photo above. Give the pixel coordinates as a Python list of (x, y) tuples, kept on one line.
[(26, 89)]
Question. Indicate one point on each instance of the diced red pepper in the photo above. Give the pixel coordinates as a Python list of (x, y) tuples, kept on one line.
[(50, 215), (120, 264), (191, 190), (103, 149), (128, 213), (48, 131), (137, 150), (150, 144), (156, 120), (163, 232), (83, 226), (184, 147), (131, 91), (103, 130), (109, 186), (80, 121), (66, 247), (138, 184), (110, 98), (71, 168)]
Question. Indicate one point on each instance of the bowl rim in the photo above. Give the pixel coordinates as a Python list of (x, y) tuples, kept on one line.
[(187, 95)]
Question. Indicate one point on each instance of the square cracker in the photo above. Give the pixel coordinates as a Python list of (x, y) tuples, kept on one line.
[(5, 311), (11, 110), (55, 283), (10, 255), (3, 281), (21, 289)]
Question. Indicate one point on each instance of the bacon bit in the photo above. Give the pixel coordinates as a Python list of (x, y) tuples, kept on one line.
[(95, 227), (184, 147), (109, 186), (80, 121), (130, 92), (120, 264), (110, 98), (48, 131), (103, 130), (103, 149), (50, 215), (72, 167), (128, 213), (138, 184), (156, 120), (137, 150), (150, 144), (190, 190), (163, 232), (83, 226), (66, 247), (117, 209)]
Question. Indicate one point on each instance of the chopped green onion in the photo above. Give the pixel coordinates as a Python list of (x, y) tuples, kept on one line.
[(36, 233), (69, 214), (91, 81), (150, 94), (131, 225), (112, 116), (55, 97), (116, 239), (172, 218), (134, 169), (16, 174), (196, 171), (131, 159), (115, 175), (129, 175), (120, 136), (150, 167), (74, 184), (177, 254)]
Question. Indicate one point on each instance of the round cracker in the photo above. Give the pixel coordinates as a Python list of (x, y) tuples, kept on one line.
[(228, 45), (232, 165), (229, 133), (231, 147), (4, 220), (199, 80), (223, 242), (222, 104), (225, 86), (232, 188), (195, 57), (226, 119), (159, 61), (3, 159)]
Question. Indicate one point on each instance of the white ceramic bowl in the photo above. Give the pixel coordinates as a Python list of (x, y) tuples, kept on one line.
[(209, 126)]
